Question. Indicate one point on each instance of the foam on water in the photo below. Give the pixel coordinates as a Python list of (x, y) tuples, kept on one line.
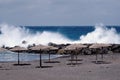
[(12, 36), (101, 34)]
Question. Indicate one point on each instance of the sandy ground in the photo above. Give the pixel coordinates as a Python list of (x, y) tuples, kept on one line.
[(85, 70)]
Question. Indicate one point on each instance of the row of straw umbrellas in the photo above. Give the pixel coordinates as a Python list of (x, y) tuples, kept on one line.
[(76, 48), (98, 47), (37, 48), (73, 49)]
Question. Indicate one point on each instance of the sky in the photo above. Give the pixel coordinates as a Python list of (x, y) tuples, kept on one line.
[(60, 12)]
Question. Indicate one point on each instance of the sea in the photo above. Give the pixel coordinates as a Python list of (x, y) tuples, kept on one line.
[(70, 32), (14, 35), (8, 56)]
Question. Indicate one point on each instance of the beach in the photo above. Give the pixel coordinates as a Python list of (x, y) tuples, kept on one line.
[(85, 70), (59, 40)]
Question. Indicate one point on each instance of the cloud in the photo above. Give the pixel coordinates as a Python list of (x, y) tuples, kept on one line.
[(59, 12), (6, 1)]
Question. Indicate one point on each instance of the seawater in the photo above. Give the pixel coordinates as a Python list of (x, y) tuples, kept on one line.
[(11, 36), (71, 32), (13, 56), (14, 35)]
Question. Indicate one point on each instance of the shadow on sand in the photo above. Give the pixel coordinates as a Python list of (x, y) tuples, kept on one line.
[(52, 62), (44, 67), (101, 62), (25, 64)]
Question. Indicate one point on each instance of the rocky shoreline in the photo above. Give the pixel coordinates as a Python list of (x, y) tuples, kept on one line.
[(114, 48)]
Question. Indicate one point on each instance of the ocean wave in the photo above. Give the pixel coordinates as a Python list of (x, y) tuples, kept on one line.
[(101, 34), (12, 36), (15, 35)]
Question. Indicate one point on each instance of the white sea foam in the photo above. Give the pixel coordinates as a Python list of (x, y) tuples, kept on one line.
[(12, 36), (101, 34)]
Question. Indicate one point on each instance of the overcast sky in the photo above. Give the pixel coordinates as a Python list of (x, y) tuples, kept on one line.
[(60, 12)]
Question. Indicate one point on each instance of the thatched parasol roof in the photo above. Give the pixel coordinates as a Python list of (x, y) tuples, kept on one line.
[(3, 49), (18, 49), (38, 47), (52, 48), (100, 45), (42, 47), (75, 46)]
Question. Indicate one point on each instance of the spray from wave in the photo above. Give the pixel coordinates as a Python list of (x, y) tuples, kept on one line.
[(11, 36), (101, 34)]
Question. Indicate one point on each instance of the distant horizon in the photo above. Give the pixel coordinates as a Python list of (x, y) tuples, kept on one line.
[(98, 24), (66, 25)]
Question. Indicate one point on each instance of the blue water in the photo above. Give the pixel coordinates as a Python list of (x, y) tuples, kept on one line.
[(12, 56), (71, 32)]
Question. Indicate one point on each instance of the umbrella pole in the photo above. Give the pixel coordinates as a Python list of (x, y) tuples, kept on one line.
[(71, 58), (76, 55), (18, 58), (96, 57), (40, 61), (102, 56), (102, 51), (49, 56), (76, 58)]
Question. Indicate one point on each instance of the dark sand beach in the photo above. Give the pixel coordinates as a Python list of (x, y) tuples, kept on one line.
[(85, 70), (59, 40)]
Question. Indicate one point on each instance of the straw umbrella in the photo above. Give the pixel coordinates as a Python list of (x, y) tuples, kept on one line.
[(39, 48), (74, 48), (3, 49), (51, 49), (18, 49), (99, 46)]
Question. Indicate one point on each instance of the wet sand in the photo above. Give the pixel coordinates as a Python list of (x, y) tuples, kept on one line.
[(85, 70)]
